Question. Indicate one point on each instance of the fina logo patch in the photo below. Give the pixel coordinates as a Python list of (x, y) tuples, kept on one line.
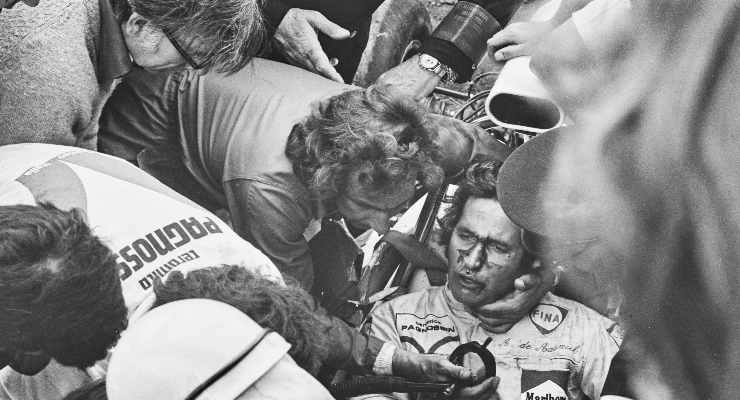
[(547, 317)]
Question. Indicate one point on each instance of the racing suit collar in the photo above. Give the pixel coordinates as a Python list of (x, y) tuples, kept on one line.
[(460, 310)]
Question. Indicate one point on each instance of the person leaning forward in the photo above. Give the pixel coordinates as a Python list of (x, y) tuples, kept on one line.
[(60, 60)]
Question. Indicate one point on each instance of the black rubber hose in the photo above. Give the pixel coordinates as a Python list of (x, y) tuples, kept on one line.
[(382, 384)]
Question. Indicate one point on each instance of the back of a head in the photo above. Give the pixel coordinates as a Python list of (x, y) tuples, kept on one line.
[(662, 150), (228, 32), (59, 286)]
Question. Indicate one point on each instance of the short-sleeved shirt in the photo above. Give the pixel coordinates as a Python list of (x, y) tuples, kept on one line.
[(560, 350), (151, 229), (235, 128)]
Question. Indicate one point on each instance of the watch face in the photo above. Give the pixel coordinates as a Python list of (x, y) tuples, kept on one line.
[(428, 61)]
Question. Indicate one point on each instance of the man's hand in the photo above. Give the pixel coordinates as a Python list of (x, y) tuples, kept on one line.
[(410, 79), (429, 368), (518, 39), (297, 39), (500, 316)]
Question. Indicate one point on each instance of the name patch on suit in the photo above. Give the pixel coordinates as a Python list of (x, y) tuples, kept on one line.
[(426, 333)]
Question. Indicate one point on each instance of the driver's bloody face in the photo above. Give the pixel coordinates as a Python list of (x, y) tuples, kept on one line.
[(484, 254)]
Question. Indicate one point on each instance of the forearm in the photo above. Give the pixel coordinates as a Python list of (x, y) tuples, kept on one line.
[(566, 9), (355, 352)]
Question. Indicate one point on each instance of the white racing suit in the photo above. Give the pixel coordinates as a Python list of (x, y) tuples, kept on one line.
[(152, 229), (560, 350)]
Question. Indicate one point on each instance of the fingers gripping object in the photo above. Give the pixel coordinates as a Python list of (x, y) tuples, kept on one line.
[(386, 384), (458, 355)]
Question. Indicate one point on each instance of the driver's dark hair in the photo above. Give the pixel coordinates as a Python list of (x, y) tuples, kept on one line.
[(479, 180), (59, 286), (373, 133)]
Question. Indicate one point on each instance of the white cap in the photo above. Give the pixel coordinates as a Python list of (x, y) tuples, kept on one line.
[(189, 346)]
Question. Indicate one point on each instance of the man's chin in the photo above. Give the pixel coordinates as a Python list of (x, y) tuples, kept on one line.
[(470, 298)]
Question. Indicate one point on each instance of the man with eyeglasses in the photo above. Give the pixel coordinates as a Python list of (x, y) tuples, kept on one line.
[(60, 60)]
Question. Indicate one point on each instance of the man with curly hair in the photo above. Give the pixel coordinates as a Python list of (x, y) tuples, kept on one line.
[(60, 297), (294, 156)]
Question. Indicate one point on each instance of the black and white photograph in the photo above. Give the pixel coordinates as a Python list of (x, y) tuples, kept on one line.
[(369, 199)]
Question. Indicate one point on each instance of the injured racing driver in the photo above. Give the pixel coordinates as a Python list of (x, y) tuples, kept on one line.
[(561, 350)]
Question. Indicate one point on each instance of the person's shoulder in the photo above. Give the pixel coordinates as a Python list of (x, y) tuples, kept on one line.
[(22, 22), (38, 36), (573, 313), (413, 301), (569, 304)]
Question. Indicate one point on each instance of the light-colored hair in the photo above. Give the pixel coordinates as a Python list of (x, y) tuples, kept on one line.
[(374, 133), (228, 32), (661, 149)]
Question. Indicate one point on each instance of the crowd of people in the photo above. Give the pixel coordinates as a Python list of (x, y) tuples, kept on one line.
[(185, 186)]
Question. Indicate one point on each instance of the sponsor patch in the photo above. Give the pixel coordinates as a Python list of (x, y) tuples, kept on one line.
[(544, 385), (426, 333), (547, 317)]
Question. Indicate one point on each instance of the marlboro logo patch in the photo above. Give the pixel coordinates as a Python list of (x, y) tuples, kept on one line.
[(547, 317), (544, 385)]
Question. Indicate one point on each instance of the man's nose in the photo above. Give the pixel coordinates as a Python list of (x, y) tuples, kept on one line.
[(476, 258)]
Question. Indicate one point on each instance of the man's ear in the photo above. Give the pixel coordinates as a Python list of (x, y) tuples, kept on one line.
[(135, 24)]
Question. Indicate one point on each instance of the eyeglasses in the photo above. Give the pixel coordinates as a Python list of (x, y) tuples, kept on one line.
[(180, 49)]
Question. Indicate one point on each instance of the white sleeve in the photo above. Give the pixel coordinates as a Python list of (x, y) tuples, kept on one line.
[(383, 326), (597, 19)]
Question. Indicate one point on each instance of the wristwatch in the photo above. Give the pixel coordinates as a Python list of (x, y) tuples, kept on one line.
[(431, 64)]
